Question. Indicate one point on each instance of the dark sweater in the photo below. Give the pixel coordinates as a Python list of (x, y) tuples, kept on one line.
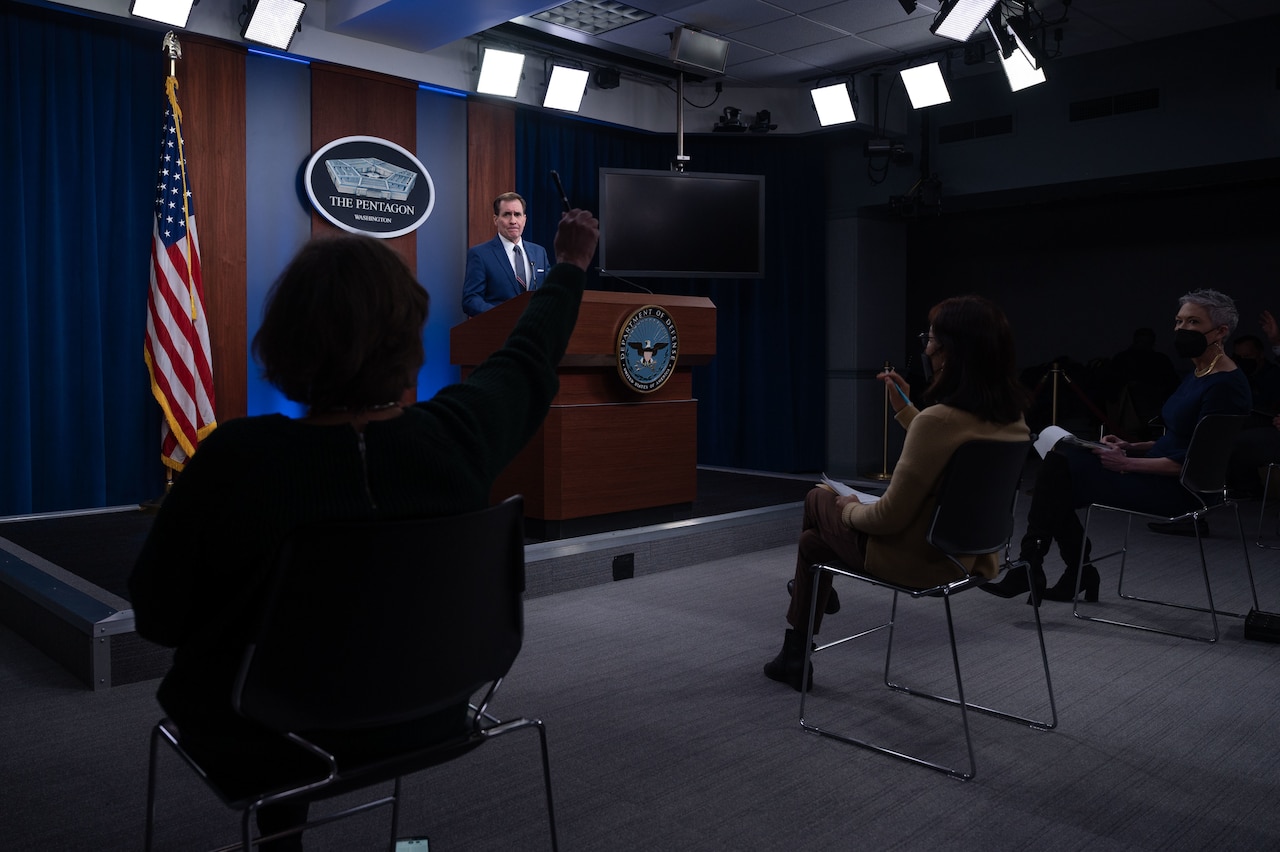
[(199, 579)]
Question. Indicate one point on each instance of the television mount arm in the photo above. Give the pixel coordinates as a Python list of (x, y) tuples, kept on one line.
[(681, 159)]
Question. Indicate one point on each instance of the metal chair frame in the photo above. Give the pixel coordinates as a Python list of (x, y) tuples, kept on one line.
[(481, 559), (1203, 475), (973, 516)]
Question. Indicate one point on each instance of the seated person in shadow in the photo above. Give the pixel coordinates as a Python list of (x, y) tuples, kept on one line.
[(1142, 476), (1251, 452), (975, 395), (1148, 375), (1264, 377), (341, 334), (1259, 445)]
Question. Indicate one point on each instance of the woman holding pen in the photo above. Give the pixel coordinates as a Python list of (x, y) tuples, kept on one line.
[(975, 395)]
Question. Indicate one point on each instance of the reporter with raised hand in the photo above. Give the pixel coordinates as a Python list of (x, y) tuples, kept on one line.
[(342, 335)]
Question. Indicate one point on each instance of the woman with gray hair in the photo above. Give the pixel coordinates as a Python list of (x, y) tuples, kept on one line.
[(1142, 476)]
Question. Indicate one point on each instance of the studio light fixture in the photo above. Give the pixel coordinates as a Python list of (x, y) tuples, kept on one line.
[(171, 12), (565, 88), (833, 104), (925, 85), (500, 72), (1019, 29), (272, 22), (607, 78), (1020, 72), (1005, 42), (957, 19)]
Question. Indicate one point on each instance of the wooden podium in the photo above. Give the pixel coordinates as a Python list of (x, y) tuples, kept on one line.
[(604, 447)]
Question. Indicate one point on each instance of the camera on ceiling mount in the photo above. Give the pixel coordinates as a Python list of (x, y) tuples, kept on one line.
[(894, 149), (730, 122)]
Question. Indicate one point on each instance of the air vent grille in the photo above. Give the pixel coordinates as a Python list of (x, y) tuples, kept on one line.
[(1114, 105), (1000, 125)]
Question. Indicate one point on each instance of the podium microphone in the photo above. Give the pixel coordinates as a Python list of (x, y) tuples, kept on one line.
[(606, 274), (564, 199)]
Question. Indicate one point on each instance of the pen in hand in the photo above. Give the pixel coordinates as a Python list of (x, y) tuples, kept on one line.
[(905, 398), (897, 387)]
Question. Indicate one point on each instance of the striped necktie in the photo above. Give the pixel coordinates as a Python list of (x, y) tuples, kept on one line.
[(517, 258)]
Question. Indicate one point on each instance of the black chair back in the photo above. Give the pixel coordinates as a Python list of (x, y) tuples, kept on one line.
[(974, 512), (376, 623), (1204, 471)]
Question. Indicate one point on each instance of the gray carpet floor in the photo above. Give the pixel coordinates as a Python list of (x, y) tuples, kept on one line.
[(666, 736)]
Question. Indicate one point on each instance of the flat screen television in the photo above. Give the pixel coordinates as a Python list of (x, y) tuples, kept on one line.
[(666, 224)]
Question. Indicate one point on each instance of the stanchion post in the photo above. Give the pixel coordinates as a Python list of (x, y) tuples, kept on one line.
[(884, 474)]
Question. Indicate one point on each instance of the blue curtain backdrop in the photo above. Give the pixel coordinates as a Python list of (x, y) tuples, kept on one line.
[(81, 101), (762, 400)]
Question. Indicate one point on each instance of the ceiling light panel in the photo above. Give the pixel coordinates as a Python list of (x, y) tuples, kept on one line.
[(957, 19), (592, 16), (274, 22), (171, 12), (925, 85), (833, 104)]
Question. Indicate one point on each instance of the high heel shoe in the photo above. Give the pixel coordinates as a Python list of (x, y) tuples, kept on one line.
[(1065, 588), (1015, 583), (1015, 580)]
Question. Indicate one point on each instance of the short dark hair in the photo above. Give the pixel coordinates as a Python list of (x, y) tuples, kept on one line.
[(980, 372), (1249, 338), (342, 326), (510, 196)]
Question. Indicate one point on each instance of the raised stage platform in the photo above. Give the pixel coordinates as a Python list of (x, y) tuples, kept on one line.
[(63, 576)]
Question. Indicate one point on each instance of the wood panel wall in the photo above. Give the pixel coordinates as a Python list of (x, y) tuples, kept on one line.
[(211, 93), (352, 102), (491, 164), (344, 102)]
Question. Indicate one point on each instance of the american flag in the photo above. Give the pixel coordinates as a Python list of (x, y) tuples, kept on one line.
[(177, 347)]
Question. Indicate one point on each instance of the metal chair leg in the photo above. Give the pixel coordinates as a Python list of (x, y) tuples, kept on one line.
[(1211, 609), (1272, 468), (959, 701)]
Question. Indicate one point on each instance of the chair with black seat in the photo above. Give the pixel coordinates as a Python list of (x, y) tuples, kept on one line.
[(973, 516), (1204, 476), (370, 627)]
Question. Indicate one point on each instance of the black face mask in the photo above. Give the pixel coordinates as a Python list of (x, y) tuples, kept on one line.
[(1189, 343)]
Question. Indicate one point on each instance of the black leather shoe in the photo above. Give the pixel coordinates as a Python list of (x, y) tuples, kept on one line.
[(833, 600), (1015, 580), (1065, 589), (788, 666), (1180, 528)]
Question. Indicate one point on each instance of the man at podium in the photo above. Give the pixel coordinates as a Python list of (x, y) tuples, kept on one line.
[(506, 265)]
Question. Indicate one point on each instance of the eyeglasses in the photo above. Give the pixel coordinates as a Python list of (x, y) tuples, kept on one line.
[(925, 337)]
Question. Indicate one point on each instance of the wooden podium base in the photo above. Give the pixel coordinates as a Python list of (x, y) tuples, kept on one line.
[(605, 458)]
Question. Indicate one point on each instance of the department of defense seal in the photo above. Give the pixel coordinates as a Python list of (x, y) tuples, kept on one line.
[(648, 345)]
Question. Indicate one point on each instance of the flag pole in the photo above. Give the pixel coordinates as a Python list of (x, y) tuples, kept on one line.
[(173, 47)]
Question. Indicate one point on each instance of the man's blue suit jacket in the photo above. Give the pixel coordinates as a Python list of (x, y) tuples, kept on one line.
[(490, 280)]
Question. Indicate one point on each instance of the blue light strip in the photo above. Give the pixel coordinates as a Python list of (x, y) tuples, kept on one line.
[(273, 55)]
